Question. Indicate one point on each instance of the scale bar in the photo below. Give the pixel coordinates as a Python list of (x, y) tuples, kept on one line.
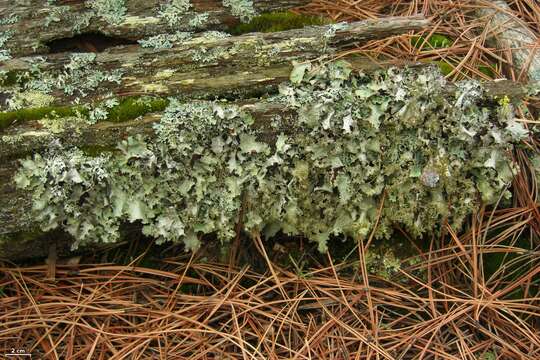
[(17, 354)]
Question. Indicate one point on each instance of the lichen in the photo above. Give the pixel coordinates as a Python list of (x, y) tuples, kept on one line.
[(356, 139), (242, 9), (382, 261), (29, 99), (180, 15), (77, 78), (112, 11), (207, 55), (56, 14), (5, 54), (164, 41)]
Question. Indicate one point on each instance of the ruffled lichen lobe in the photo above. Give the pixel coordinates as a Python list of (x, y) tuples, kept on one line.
[(356, 140)]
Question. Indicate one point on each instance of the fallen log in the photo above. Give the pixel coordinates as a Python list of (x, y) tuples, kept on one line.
[(181, 134), (333, 139)]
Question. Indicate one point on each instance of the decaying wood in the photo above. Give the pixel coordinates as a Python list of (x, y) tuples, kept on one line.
[(237, 66), (40, 23)]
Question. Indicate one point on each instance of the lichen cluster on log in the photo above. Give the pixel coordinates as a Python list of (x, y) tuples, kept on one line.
[(184, 132)]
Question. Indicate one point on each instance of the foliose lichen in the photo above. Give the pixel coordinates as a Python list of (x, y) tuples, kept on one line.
[(164, 41), (173, 10), (78, 78), (242, 9), (112, 11), (5, 54), (357, 139)]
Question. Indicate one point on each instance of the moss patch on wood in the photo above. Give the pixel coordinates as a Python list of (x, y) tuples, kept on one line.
[(128, 109), (278, 21), (133, 107), (10, 117)]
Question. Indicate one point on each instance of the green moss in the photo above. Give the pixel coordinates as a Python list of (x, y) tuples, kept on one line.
[(435, 41), (133, 107), (9, 117), (445, 67), (128, 109), (278, 21), (488, 70)]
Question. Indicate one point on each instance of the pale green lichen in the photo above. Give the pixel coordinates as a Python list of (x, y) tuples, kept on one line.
[(382, 261), (165, 41), (242, 9), (112, 11), (30, 99), (56, 14), (355, 139), (57, 125), (78, 77), (204, 54), (5, 54), (9, 20), (173, 11)]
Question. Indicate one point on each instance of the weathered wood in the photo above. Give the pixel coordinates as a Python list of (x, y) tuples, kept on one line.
[(240, 66), (38, 23)]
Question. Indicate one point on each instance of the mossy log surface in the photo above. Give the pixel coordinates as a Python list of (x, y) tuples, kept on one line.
[(39, 23)]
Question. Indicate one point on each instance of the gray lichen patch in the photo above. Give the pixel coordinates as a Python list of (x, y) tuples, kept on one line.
[(112, 11), (39, 86), (355, 140), (242, 9)]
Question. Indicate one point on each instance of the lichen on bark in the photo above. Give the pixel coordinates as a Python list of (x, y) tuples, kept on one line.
[(355, 140)]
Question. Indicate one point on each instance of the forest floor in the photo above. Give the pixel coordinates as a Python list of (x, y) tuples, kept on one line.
[(473, 294)]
